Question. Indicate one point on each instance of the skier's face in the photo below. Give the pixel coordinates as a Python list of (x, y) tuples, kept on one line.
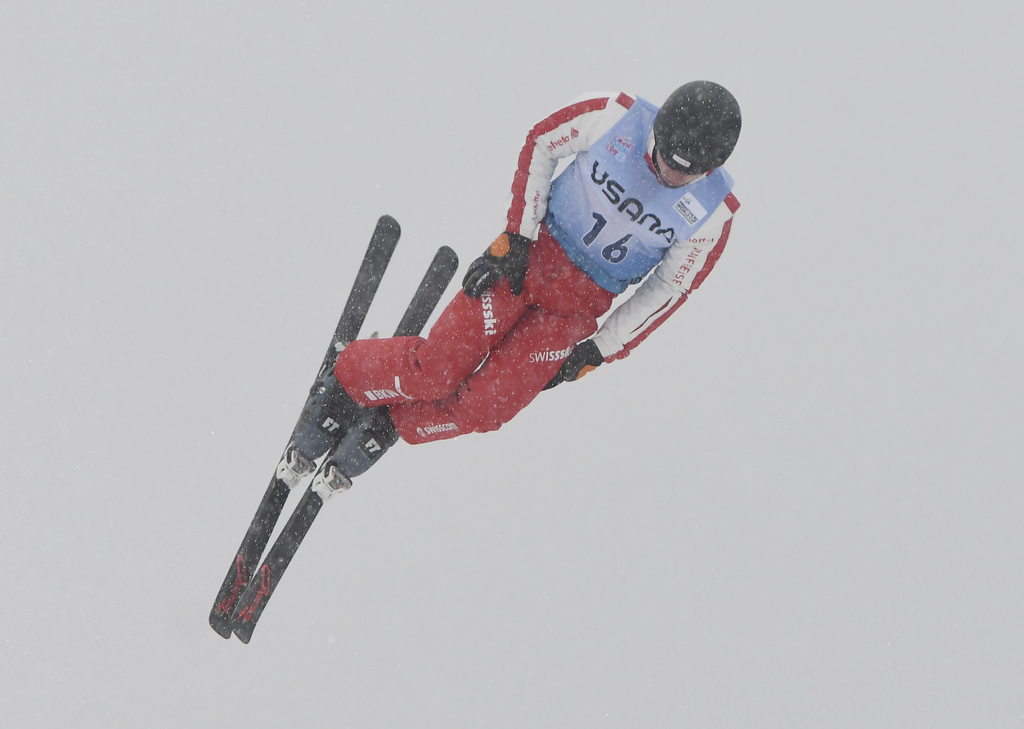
[(670, 177)]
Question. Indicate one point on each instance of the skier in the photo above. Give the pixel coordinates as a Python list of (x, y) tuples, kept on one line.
[(646, 191), (645, 194)]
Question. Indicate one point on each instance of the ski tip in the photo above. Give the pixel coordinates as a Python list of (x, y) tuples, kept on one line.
[(386, 221), (449, 256)]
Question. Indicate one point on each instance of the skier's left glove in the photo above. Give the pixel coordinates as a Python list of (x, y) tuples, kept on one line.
[(585, 358), (507, 257)]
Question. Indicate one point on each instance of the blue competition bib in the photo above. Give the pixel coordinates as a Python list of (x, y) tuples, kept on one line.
[(612, 216)]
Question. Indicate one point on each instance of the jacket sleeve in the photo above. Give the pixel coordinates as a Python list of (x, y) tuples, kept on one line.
[(682, 270), (569, 130)]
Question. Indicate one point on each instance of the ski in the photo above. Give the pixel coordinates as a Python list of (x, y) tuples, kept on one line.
[(440, 273), (293, 465), (330, 479)]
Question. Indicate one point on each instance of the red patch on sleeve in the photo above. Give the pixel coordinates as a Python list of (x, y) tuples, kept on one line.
[(732, 203)]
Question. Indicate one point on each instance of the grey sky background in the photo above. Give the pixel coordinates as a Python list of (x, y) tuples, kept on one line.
[(797, 505)]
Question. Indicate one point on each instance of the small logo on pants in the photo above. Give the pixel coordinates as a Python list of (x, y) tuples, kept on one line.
[(434, 429), (552, 355), (489, 319)]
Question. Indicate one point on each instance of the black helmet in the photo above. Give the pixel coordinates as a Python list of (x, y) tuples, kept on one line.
[(697, 127)]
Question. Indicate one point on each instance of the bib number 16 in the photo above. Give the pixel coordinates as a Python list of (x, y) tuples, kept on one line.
[(613, 252)]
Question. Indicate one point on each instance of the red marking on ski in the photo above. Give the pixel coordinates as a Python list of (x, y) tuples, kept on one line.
[(241, 580), (246, 614)]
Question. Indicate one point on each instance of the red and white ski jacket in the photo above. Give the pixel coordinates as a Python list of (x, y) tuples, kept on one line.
[(685, 265)]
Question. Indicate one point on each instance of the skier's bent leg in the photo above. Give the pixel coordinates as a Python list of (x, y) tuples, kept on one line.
[(402, 369), (516, 371)]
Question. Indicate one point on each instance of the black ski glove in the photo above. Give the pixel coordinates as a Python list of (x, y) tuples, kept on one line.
[(584, 358), (506, 258)]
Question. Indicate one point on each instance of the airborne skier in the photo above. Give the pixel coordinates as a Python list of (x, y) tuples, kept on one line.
[(646, 191)]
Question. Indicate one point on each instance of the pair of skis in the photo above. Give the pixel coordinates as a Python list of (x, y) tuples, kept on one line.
[(243, 595)]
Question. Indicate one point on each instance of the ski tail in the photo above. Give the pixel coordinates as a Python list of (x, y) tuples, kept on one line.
[(371, 271), (253, 601), (428, 294)]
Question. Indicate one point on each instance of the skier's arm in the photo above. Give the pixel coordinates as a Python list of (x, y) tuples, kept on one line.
[(684, 268), (569, 130)]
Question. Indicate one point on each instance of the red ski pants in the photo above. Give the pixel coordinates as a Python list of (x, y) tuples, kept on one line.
[(485, 359)]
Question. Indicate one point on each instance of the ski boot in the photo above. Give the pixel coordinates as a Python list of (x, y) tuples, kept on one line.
[(325, 419), (366, 441)]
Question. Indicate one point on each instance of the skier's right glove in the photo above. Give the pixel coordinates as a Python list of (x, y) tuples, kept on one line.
[(585, 358), (507, 257)]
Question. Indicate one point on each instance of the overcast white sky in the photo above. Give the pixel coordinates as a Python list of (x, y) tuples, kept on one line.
[(798, 504)]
